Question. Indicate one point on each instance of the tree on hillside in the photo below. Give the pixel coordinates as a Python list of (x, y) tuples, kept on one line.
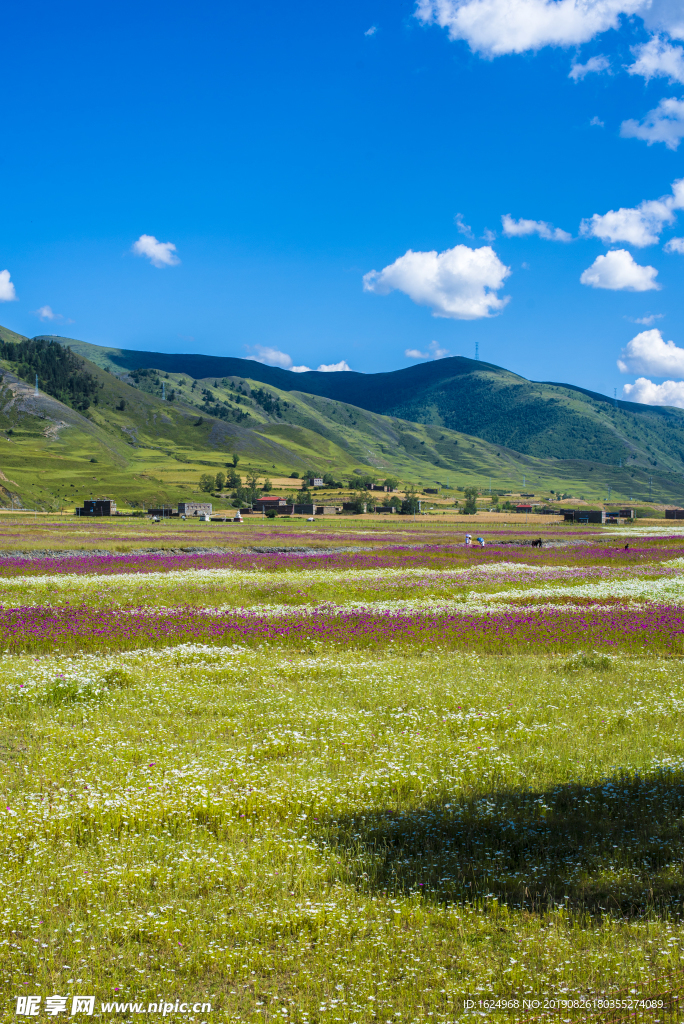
[(61, 373), (236, 459), (358, 502), (220, 481), (470, 506), (206, 483), (410, 505), (391, 483), (268, 486), (253, 487), (234, 479)]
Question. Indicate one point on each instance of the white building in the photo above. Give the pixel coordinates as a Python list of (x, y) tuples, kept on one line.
[(194, 508)]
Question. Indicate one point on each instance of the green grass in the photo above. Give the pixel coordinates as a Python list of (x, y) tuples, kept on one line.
[(340, 837), (346, 835)]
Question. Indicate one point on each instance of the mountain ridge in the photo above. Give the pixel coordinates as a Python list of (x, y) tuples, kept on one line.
[(539, 418), (520, 434)]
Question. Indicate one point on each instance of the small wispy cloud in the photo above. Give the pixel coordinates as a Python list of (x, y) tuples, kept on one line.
[(271, 357), (47, 313), (596, 122), (595, 65), (160, 254), (518, 228), (647, 320), (371, 31), (462, 227), (434, 352)]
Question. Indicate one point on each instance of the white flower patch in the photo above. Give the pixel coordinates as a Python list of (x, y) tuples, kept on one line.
[(662, 591)]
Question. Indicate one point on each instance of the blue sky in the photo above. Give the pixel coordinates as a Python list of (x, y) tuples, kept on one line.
[(282, 153)]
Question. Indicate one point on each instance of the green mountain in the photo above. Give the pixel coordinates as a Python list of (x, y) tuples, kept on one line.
[(545, 419), (141, 427)]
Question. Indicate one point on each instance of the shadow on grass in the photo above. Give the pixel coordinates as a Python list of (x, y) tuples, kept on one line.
[(616, 848)]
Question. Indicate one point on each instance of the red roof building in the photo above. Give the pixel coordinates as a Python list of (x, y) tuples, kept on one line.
[(269, 501)]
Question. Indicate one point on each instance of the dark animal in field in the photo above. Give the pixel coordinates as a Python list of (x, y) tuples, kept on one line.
[(537, 543)]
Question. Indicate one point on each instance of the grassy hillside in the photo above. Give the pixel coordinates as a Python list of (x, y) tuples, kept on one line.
[(544, 419), (145, 435)]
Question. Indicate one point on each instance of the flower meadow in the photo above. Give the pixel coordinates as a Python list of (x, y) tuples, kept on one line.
[(304, 786)]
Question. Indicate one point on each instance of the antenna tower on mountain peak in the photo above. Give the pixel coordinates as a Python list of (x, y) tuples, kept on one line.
[(477, 350)]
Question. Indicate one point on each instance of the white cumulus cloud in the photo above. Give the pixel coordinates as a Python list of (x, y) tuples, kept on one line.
[(7, 292), (618, 271), (494, 27), (459, 283), (665, 123), (594, 65), (371, 31), (658, 59), (160, 254), (639, 225), (434, 352), (596, 122), (644, 391), (334, 367), (665, 16), (648, 352), (515, 228), (674, 245)]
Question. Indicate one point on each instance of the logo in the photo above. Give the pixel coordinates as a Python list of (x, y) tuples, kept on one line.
[(29, 1006)]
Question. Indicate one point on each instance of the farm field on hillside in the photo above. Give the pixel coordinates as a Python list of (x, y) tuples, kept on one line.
[(360, 773)]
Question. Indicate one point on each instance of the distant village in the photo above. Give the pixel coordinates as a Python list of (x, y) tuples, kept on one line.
[(361, 502)]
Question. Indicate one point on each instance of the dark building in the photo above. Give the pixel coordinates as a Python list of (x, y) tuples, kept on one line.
[(577, 515), (97, 507), (673, 513)]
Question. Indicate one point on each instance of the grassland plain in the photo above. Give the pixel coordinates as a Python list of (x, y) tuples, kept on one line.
[(360, 827)]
